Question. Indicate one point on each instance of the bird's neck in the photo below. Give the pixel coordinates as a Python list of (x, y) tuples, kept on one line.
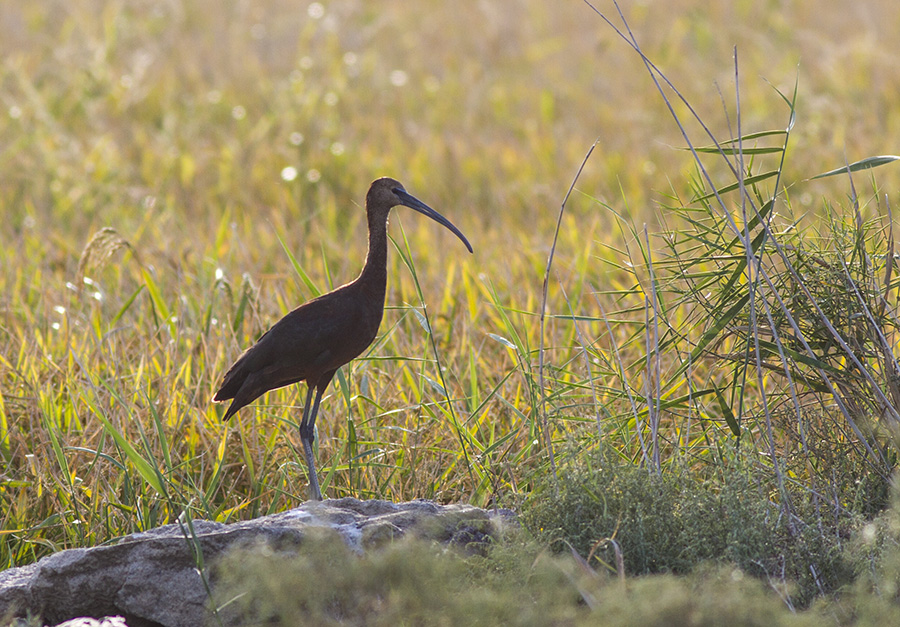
[(374, 273)]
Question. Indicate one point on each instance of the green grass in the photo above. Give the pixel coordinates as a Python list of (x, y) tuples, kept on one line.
[(177, 178), (415, 583), (517, 581), (672, 525)]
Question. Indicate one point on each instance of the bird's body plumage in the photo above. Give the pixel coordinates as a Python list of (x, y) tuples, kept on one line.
[(317, 337), (311, 342)]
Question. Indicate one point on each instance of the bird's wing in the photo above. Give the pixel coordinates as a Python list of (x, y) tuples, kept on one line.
[(317, 337)]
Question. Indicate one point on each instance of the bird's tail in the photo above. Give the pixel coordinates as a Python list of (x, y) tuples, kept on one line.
[(231, 384)]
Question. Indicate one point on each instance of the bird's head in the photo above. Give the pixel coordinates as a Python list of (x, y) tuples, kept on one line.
[(386, 193)]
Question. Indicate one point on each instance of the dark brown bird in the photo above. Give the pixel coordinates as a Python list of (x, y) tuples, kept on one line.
[(315, 339)]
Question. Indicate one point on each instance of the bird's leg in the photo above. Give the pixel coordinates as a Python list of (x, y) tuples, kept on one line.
[(307, 435)]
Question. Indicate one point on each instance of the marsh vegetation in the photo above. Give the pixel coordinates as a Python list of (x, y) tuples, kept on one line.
[(703, 386)]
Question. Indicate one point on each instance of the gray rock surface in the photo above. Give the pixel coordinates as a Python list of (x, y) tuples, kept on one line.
[(153, 579)]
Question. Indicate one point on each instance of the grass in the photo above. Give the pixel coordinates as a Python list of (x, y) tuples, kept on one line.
[(177, 178), (413, 583), (519, 582)]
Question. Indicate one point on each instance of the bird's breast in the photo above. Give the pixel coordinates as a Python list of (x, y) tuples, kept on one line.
[(353, 326)]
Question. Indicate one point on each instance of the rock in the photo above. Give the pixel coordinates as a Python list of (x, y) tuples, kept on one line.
[(153, 578)]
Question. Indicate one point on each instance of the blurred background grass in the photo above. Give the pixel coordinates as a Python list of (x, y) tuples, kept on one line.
[(202, 135)]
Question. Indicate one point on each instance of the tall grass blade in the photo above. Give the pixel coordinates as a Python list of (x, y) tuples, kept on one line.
[(307, 280), (856, 166)]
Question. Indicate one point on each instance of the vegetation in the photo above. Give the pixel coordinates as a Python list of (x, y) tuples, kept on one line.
[(703, 393), (521, 583), (411, 583)]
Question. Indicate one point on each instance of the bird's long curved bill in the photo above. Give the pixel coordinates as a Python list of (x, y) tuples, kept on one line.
[(412, 202)]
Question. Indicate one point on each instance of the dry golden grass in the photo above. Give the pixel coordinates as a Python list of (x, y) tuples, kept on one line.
[(172, 125)]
